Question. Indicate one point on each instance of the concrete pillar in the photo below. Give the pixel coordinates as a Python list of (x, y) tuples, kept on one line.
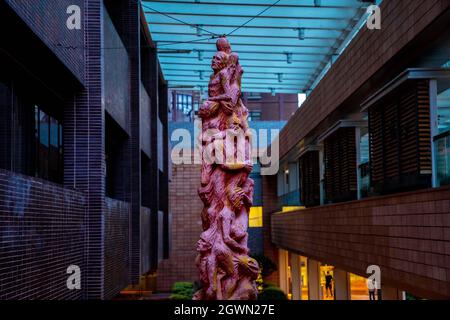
[(296, 271), (313, 280), (283, 270), (341, 285), (390, 293)]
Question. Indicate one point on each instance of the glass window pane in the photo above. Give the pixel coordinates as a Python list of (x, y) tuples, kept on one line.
[(43, 145), (60, 145), (36, 122), (364, 148), (442, 146), (442, 141), (443, 104), (43, 129), (54, 132)]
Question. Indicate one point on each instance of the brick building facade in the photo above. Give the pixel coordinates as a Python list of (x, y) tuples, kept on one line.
[(186, 226), (368, 148)]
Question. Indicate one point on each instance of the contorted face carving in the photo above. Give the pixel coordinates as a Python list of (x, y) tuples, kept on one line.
[(219, 61)]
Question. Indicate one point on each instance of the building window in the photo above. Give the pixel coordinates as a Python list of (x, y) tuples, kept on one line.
[(254, 116), (31, 136), (184, 103), (49, 146), (442, 140), (255, 217), (116, 160), (364, 166)]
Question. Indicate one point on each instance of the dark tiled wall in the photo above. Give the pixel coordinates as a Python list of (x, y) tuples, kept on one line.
[(164, 180), (153, 80), (145, 121), (145, 240), (130, 24), (84, 139), (116, 75), (407, 235), (42, 232), (84, 148), (47, 18), (117, 262)]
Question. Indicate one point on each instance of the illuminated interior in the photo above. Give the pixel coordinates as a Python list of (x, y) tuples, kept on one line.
[(255, 217), (358, 287), (304, 278), (292, 208)]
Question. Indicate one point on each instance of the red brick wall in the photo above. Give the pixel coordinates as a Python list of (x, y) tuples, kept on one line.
[(407, 235), (270, 205), (402, 21), (186, 227)]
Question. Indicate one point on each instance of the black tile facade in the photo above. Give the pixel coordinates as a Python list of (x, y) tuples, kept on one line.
[(46, 227), (47, 19), (117, 233), (42, 233), (145, 240), (84, 149)]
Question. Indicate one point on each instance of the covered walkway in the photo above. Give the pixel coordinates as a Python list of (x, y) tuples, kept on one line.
[(285, 46)]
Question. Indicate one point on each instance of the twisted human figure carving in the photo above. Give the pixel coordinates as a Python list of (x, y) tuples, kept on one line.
[(226, 270)]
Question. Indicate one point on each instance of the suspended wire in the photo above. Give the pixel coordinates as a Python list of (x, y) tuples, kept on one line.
[(253, 18), (213, 35), (176, 19), (144, 5), (191, 41)]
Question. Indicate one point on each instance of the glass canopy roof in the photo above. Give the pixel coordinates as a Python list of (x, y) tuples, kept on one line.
[(284, 46)]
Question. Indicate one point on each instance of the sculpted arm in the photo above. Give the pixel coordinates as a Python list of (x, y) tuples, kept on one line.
[(225, 83)]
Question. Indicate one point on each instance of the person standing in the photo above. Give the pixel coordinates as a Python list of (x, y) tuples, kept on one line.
[(372, 286), (328, 284)]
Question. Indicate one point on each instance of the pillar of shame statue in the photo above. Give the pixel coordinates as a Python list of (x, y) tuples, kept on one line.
[(226, 270)]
